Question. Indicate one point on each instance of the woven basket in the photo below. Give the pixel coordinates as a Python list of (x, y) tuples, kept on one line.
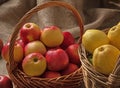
[(94, 79), (20, 79)]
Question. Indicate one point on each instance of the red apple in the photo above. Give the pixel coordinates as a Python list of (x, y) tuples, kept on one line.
[(52, 36), (51, 74), (35, 46), (72, 52), (5, 82), (1, 45), (18, 52), (68, 40), (30, 32), (34, 64), (69, 69), (57, 59)]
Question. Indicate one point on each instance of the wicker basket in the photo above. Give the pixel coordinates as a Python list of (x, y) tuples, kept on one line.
[(94, 79), (20, 79)]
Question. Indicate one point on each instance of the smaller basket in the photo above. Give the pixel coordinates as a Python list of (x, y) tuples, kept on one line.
[(20, 79), (94, 79)]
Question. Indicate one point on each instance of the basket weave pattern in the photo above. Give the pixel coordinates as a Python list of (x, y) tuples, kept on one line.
[(20, 79)]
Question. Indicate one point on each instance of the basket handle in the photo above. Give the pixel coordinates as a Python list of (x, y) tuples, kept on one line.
[(12, 63)]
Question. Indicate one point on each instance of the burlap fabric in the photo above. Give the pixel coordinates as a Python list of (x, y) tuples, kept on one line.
[(95, 13)]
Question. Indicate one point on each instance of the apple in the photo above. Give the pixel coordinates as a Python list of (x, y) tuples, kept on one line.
[(35, 46), (72, 52), (20, 41), (5, 82), (51, 36), (57, 59), (18, 52), (104, 58), (69, 69), (1, 45), (51, 74), (68, 40), (30, 32), (34, 64)]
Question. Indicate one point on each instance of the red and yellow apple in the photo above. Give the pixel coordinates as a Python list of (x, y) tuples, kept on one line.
[(34, 64), (18, 52), (30, 32), (20, 41), (52, 36), (69, 69), (72, 52), (68, 40), (5, 82), (57, 59), (35, 47)]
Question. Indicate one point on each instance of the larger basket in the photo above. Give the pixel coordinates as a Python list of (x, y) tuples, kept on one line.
[(94, 79), (20, 79)]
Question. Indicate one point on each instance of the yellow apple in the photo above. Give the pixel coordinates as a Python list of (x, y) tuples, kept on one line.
[(114, 35), (105, 58), (94, 38), (52, 36)]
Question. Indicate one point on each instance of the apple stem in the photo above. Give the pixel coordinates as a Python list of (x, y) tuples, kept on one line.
[(101, 48), (28, 25), (35, 59)]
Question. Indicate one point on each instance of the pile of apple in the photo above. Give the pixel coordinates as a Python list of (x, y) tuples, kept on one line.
[(103, 48), (47, 52)]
